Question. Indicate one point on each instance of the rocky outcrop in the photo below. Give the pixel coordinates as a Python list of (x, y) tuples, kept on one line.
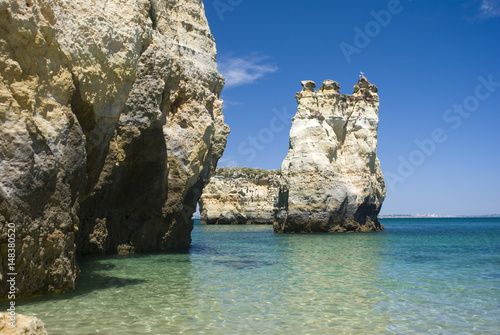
[(331, 177), (21, 325), (240, 196), (111, 123)]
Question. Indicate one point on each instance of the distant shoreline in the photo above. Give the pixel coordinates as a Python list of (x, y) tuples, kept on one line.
[(425, 216), (434, 216)]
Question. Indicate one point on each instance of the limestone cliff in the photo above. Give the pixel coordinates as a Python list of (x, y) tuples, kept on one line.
[(240, 196), (110, 123), (331, 177)]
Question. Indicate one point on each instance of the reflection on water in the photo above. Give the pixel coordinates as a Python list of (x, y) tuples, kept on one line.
[(292, 283), (332, 282), (413, 277)]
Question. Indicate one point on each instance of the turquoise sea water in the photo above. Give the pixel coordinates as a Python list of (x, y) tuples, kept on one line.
[(438, 276)]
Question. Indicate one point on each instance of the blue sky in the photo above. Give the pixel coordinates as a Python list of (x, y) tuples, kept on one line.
[(437, 67)]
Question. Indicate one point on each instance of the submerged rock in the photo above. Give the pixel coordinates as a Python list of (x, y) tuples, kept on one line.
[(24, 325), (110, 124), (331, 177), (240, 196)]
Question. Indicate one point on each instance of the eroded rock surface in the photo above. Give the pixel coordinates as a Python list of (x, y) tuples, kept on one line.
[(110, 123), (24, 325), (240, 196), (331, 177)]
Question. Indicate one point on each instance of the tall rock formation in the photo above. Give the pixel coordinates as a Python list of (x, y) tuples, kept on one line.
[(240, 196), (110, 123), (331, 177)]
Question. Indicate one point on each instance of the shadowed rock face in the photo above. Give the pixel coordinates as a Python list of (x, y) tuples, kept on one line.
[(331, 177), (110, 124), (239, 196)]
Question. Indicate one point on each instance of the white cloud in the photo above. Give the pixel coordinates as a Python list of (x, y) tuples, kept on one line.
[(244, 70), (490, 8)]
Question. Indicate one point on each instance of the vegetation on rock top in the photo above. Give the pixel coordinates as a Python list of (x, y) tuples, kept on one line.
[(252, 172)]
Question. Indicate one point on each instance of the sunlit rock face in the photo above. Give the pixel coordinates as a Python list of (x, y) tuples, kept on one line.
[(23, 325), (240, 196), (110, 124), (331, 177)]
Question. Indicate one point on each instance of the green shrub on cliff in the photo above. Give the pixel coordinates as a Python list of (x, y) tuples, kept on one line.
[(251, 172)]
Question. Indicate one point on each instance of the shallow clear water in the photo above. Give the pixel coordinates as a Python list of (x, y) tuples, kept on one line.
[(438, 276)]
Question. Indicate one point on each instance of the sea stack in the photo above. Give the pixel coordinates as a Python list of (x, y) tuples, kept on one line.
[(110, 125), (331, 178)]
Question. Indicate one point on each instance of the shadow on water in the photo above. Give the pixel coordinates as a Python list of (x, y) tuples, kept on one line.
[(93, 283), (242, 263), (492, 276), (93, 277), (133, 294)]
